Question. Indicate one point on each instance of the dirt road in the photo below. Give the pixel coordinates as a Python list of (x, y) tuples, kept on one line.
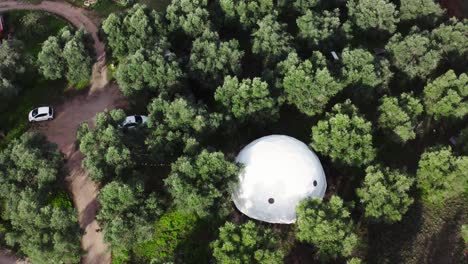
[(62, 129)]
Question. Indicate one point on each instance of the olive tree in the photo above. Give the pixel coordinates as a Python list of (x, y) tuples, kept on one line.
[(42, 222), (12, 65), (177, 126), (345, 136), (148, 70), (189, 15), (246, 12), (415, 54), (246, 243), (441, 175), (327, 225), (316, 27), (247, 99), (361, 68), (104, 148), (308, 84), (212, 59), (373, 15), (203, 183), (400, 115), (271, 40), (447, 96), (385, 194), (423, 11), (50, 59), (138, 27), (127, 214)]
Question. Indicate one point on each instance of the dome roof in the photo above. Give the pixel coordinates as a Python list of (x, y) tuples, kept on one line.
[(279, 171)]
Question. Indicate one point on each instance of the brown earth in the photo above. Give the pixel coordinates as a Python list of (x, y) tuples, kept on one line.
[(62, 130)]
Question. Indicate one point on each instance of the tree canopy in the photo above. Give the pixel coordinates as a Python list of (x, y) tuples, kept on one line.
[(12, 65), (127, 214), (447, 96), (307, 84), (441, 175), (137, 28), (246, 243), (400, 115), (247, 99), (189, 15), (373, 15), (43, 229), (106, 154), (414, 54), (246, 12), (148, 70), (177, 126), (203, 183), (385, 194), (327, 225), (344, 136), (212, 59)]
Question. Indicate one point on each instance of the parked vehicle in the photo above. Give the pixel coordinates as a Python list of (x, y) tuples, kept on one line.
[(134, 121), (43, 113)]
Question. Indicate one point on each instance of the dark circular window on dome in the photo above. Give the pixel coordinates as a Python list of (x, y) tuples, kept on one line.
[(271, 201), (315, 183)]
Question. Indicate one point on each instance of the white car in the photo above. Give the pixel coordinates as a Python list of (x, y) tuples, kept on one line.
[(41, 114), (134, 121)]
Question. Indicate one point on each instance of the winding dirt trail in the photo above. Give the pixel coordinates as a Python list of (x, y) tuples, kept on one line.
[(62, 130)]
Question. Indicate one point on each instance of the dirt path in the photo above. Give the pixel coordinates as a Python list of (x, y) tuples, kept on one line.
[(62, 129)]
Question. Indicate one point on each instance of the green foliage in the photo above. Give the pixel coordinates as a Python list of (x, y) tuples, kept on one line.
[(428, 11), (354, 261), (12, 65), (30, 168), (441, 175), (303, 6), (106, 154), (344, 136), (178, 126), (361, 68), (326, 225), (307, 84), (137, 28), (61, 199), (126, 214), (202, 184), (246, 243), (171, 230), (189, 15), (212, 59), (447, 96), (246, 12), (148, 70), (451, 38), (50, 60), (400, 115), (249, 99), (271, 40), (66, 55), (385, 194), (415, 54), (79, 63), (464, 234), (317, 27), (373, 15)]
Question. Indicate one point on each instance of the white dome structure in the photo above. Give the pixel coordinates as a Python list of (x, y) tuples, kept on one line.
[(279, 171)]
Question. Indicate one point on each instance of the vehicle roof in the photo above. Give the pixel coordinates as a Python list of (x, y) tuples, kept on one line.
[(43, 110)]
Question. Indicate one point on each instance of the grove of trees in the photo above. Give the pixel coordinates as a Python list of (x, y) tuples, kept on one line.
[(211, 76)]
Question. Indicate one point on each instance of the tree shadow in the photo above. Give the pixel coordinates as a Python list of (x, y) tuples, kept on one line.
[(390, 243)]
